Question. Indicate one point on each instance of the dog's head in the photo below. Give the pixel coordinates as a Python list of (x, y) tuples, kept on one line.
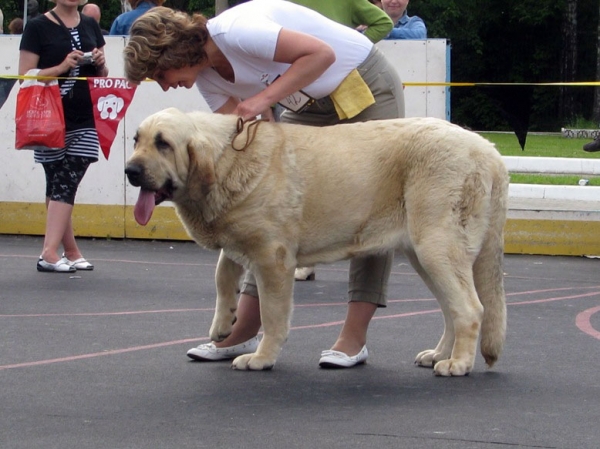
[(170, 160)]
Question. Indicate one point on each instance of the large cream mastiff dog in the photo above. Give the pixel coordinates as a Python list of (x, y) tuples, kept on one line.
[(273, 196)]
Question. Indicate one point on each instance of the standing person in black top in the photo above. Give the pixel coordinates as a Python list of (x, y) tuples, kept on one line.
[(64, 43)]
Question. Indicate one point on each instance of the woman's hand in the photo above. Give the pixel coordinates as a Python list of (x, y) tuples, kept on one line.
[(100, 61), (268, 115), (71, 61), (252, 107), (247, 110), (98, 58)]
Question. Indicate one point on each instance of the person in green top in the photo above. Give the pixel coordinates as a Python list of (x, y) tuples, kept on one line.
[(357, 14)]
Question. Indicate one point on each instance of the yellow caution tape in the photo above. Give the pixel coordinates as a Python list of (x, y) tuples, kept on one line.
[(407, 84)]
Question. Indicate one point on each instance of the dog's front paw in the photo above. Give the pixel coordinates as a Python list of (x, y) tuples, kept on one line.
[(452, 367), (252, 362), (428, 358), (221, 327)]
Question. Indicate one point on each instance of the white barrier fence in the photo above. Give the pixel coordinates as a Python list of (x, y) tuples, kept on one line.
[(104, 201), (22, 181), (554, 166)]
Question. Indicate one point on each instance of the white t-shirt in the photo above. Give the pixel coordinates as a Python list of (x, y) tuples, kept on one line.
[(247, 35)]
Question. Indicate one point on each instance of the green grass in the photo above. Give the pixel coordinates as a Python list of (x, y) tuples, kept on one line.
[(518, 178), (540, 145), (543, 146)]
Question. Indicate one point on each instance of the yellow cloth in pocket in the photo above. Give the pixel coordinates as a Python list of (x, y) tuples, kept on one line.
[(352, 96)]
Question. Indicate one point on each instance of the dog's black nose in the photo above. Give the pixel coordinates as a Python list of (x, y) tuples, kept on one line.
[(134, 173)]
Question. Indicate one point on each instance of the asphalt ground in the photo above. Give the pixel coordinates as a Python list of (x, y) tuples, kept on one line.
[(97, 360)]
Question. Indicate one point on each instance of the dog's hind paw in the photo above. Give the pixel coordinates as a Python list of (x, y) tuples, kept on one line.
[(252, 362), (452, 367)]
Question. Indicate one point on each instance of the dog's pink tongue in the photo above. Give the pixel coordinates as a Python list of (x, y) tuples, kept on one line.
[(144, 207)]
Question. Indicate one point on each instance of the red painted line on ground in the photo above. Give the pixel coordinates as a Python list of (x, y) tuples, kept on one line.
[(562, 298), (100, 354), (583, 322), (384, 317), (178, 342), (142, 312), (137, 262), (144, 262), (532, 292), (134, 312), (324, 304)]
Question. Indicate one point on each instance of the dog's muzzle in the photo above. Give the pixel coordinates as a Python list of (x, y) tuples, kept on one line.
[(134, 174)]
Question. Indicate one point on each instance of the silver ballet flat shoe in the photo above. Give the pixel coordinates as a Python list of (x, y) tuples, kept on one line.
[(337, 359), (59, 267), (79, 264), (208, 352)]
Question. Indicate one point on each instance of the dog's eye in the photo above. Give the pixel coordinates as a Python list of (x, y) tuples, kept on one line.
[(161, 144)]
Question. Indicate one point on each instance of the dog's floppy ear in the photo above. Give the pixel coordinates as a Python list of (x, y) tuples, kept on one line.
[(201, 172)]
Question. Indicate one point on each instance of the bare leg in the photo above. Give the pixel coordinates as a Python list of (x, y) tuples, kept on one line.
[(247, 324), (72, 251), (352, 338), (353, 335), (367, 290), (350, 341), (59, 229)]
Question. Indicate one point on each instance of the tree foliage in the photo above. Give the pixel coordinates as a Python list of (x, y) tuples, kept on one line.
[(512, 41), (110, 8)]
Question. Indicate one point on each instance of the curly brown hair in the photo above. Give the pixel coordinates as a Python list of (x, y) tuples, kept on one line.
[(164, 39)]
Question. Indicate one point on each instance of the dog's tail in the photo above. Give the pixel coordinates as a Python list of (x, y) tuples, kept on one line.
[(489, 275)]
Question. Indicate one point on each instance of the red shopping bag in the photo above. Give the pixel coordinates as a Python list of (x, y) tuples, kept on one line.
[(39, 118)]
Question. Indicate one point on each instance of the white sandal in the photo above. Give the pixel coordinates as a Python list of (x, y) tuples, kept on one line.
[(79, 264), (209, 352), (59, 267), (337, 359)]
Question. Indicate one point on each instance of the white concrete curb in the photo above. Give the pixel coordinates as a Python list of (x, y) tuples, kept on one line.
[(552, 165), (567, 193)]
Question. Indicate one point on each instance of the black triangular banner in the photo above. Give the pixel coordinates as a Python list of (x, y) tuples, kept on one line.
[(514, 103)]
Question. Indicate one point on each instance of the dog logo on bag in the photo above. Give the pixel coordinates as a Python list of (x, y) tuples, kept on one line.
[(40, 108), (40, 102), (110, 106)]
